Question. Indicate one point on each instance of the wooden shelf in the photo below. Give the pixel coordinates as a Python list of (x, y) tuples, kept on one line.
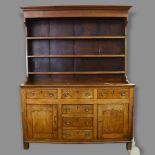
[(77, 37), (76, 56), (67, 73)]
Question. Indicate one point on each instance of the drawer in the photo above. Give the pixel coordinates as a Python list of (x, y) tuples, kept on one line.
[(77, 109), (80, 122), (74, 93), (42, 93), (77, 134), (113, 93)]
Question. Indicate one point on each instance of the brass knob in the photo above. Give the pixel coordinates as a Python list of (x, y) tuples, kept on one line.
[(87, 123), (32, 93), (50, 94), (86, 109)]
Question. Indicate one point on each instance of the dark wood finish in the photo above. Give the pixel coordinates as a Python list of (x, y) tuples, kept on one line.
[(26, 145), (95, 72), (87, 79), (76, 89), (77, 37), (129, 146), (75, 11), (74, 56)]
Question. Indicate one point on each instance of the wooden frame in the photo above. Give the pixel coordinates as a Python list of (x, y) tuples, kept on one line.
[(76, 61)]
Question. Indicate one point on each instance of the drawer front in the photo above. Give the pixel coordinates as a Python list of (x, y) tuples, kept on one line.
[(77, 134), (82, 122), (42, 93), (74, 93), (77, 109), (113, 93)]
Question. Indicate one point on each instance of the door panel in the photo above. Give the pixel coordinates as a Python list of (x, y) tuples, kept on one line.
[(42, 121), (112, 121)]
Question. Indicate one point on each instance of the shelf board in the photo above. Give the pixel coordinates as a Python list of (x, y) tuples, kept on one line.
[(77, 37), (95, 72), (75, 56)]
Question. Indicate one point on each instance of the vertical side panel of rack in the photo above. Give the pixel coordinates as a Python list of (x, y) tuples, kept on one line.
[(26, 45), (126, 43)]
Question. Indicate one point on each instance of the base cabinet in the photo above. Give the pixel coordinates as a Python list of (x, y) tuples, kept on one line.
[(77, 115)]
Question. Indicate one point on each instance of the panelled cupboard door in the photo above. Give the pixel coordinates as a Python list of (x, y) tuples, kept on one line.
[(112, 121), (42, 121)]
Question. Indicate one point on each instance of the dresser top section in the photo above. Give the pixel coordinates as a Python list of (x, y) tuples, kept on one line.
[(76, 11)]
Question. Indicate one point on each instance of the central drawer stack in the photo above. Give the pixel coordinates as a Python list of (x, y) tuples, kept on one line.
[(77, 119)]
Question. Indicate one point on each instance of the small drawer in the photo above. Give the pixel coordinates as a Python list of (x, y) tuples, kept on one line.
[(42, 93), (113, 93), (80, 122), (74, 93), (76, 109), (77, 134)]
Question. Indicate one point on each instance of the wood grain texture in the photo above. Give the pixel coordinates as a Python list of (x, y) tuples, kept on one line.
[(76, 90), (24, 115), (113, 120), (77, 119), (42, 121)]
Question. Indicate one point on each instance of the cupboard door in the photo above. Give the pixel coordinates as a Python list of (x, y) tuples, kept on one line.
[(42, 121), (112, 121)]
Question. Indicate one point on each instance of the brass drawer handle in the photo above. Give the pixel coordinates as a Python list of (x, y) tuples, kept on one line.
[(67, 109), (87, 134), (50, 94), (123, 93), (32, 93), (87, 94), (104, 93), (86, 109), (67, 94), (67, 122)]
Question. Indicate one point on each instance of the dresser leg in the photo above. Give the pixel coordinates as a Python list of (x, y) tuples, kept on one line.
[(129, 146), (26, 145), (132, 148)]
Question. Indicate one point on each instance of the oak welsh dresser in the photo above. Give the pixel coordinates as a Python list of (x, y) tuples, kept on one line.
[(76, 63)]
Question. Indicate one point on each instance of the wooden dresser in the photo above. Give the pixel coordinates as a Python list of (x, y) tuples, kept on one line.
[(76, 63)]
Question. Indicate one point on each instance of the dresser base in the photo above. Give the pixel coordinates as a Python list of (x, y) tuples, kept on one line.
[(78, 114)]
